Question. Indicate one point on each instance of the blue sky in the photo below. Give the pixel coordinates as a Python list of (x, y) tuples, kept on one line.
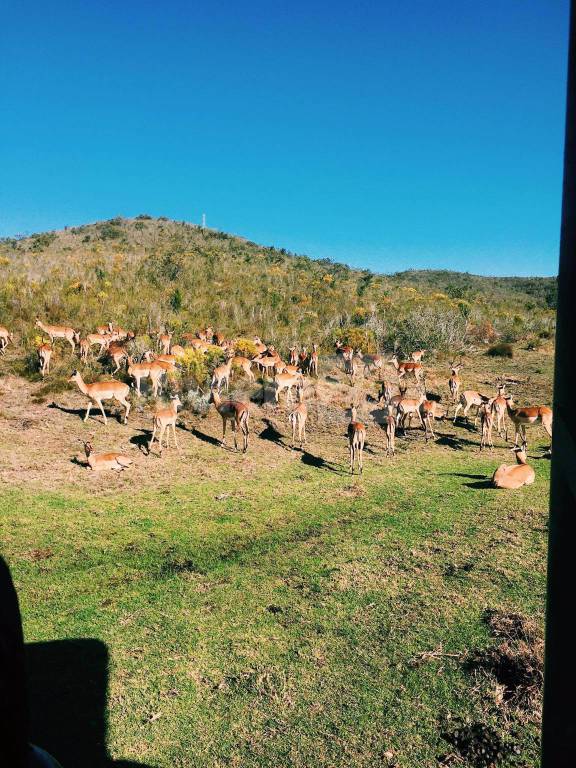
[(385, 134)]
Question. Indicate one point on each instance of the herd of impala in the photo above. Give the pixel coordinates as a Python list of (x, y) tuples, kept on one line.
[(397, 409)]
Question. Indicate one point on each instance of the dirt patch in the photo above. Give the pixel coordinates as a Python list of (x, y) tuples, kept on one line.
[(514, 664)]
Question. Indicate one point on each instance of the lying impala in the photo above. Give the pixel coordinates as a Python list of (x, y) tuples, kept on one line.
[(44, 355), (512, 476), (520, 417), (406, 367), (164, 419), (100, 461), (59, 332), (236, 413), (297, 419), (356, 441), (103, 390)]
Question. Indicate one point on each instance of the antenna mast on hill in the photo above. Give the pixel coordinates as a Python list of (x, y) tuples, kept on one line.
[(203, 221)]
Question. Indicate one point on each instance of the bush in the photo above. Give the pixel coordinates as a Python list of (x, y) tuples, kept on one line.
[(500, 350), (430, 328), (245, 348), (359, 338), (193, 365)]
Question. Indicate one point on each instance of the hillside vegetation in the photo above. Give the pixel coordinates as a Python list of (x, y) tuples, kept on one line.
[(146, 273)]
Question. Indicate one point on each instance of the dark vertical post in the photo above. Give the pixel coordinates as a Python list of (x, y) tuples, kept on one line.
[(559, 719)]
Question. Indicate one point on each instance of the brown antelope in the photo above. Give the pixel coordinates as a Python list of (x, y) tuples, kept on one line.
[(117, 353), (468, 398), (237, 413), (395, 399), (44, 355), (352, 366), (417, 355), (285, 381), (5, 338), (499, 408), (372, 362), (221, 375), (59, 332), (385, 393), (207, 334), (100, 461), (297, 420), (164, 342), (84, 350), (260, 346), (101, 339), (153, 370), (104, 329), (293, 356), (313, 361), (454, 382), (164, 419), (177, 350), (406, 408), (530, 415), (238, 361), (356, 440), (429, 411), (390, 424), (346, 352), (406, 367), (268, 365), (512, 476), (103, 390), (165, 358), (486, 424)]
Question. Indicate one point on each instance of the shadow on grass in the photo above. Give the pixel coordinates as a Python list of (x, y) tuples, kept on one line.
[(141, 440), (271, 433), (67, 692), (95, 413), (206, 438), (480, 484), (319, 463)]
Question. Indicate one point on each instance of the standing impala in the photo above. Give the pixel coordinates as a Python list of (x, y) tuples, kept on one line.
[(5, 338), (164, 419), (235, 412), (44, 355), (221, 375), (356, 440), (297, 420), (469, 398), (407, 367), (59, 332), (499, 408), (313, 362), (238, 361), (520, 417), (454, 381), (164, 342), (285, 381), (102, 390), (417, 355)]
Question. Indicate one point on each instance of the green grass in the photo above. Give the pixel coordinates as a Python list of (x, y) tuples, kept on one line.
[(281, 625)]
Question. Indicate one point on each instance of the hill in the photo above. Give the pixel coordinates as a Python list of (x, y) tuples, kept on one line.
[(149, 272)]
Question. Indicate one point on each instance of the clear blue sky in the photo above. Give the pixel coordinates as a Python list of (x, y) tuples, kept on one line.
[(387, 134)]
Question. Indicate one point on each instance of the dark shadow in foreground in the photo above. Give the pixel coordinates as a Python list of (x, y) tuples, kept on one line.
[(67, 689)]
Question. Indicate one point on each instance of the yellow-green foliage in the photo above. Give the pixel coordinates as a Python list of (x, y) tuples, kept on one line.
[(245, 348), (194, 366)]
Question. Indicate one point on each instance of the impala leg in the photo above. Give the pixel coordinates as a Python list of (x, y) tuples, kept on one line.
[(88, 412), (234, 433), (102, 410), (174, 434), (456, 411), (224, 432)]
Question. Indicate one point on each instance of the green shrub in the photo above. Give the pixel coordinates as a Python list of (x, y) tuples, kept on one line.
[(245, 348), (500, 350)]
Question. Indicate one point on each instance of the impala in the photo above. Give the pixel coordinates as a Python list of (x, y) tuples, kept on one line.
[(429, 411), (520, 417), (512, 476), (375, 362), (102, 339), (102, 390), (59, 332), (499, 408), (468, 398), (417, 355), (238, 361), (235, 412), (385, 394), (84, 350), (164, 419), (260, 346), (5, 338), (454, 382), (406, 408), (390, 424), (102, 329), (268, 365), (293, 356), (221, 375), (285, 381), (486, 424), (297, 420), (117, 353), (154, 370), (356, 440), (407, 367), (164, 342), (100, 461), (44, 355), (313, 361)]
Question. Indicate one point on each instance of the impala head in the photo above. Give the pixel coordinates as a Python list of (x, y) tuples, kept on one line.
[(74, 377), (38, 322), (520, 454), (175, 400)]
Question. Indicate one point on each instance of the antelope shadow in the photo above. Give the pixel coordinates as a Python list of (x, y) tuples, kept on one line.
[(271, 433), (319, 463)]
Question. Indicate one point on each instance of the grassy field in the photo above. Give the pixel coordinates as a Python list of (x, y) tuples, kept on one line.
[(268, 609)]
